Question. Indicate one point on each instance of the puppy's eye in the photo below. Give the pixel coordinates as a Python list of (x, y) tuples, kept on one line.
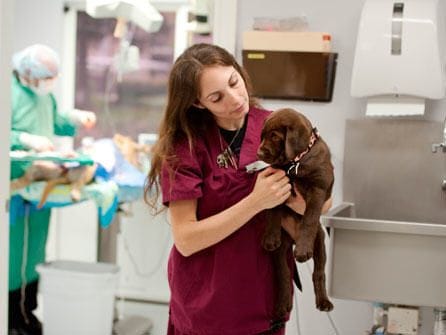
[(275, 137)]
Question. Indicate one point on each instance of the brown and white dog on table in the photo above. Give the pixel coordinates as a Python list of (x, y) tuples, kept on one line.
[(77, 177), (290, 142), (55, 174)]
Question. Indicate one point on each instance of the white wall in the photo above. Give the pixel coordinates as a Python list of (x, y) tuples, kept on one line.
[(39, 22), (340, 18)]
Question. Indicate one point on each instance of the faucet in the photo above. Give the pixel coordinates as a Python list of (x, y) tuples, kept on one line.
[(442, 145), (436, 146)]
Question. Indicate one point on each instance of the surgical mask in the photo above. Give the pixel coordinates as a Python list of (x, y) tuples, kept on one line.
[(44, 86)]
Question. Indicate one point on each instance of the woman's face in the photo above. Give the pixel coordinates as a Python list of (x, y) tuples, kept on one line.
[(224, 94)]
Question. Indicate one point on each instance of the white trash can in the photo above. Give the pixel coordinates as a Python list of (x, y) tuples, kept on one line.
[(78, 297)]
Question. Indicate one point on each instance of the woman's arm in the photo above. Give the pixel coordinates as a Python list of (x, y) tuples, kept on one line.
[(298, 205), (191, 235)]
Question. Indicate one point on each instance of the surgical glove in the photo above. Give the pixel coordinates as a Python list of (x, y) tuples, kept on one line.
[(84, 118), (36, 142)]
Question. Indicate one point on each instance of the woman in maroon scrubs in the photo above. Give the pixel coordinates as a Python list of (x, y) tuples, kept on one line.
[(221, 279)]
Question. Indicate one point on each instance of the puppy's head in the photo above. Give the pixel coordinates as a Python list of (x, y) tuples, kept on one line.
[(285, 134), (130, 149)]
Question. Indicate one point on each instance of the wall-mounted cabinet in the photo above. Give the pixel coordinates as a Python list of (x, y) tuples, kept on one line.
[(290, 65)]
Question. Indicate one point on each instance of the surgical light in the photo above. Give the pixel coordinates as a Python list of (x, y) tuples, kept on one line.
[(140, 12)]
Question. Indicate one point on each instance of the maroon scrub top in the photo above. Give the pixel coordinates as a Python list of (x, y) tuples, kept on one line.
[(226, 288)]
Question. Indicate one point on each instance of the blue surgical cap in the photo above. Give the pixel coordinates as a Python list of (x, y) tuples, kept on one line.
[(36, 62)]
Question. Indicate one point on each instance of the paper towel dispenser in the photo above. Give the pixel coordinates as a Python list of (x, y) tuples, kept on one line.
[(290, 65), (400, 50)]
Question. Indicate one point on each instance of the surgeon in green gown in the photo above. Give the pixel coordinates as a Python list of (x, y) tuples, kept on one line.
[(35, 120)]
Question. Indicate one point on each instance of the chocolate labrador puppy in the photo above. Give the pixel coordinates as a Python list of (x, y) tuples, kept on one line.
[(290, 142)]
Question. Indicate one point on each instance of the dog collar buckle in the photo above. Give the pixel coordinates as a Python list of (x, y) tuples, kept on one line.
[(294, 167)]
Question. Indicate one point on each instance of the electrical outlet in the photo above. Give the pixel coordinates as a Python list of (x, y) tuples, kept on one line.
[(402, 321)]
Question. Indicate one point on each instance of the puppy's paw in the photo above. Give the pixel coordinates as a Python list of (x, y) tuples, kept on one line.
[(271, 242), (303, 253), (75, 195), (324, 305)]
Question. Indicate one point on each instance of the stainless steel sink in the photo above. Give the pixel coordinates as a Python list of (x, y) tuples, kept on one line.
[(387, 261), (388, 238)]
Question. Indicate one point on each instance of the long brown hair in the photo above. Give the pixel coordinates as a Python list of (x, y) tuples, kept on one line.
[(181, 119)]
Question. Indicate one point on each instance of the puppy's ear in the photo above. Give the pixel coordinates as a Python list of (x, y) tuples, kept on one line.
[(291, 143)]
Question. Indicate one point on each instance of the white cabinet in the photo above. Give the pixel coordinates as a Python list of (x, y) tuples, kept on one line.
[(143, 247)]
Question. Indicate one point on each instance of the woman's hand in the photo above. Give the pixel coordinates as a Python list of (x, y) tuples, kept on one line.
[(271, 189), (85, 118), (297, 203), (36, 142)]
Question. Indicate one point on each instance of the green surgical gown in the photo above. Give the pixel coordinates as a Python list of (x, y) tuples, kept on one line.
[(37, 115)]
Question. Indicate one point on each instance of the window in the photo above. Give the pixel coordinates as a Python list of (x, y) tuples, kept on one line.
[(135, 104)]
